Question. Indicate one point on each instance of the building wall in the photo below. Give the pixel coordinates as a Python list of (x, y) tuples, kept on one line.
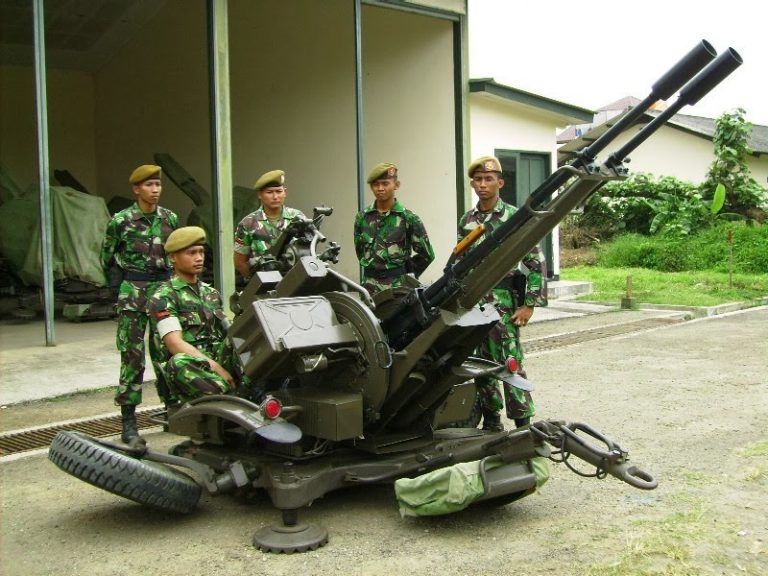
[(292, 76), (669, 152), (70, 125), (496, 124), (292, 97), (673, 152), (408, 106), (759, 168), (152, 96)]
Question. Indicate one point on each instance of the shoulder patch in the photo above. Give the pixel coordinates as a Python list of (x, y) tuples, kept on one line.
[(160, 314)]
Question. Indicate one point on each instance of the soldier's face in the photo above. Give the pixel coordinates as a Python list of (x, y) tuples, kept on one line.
[(384, 189), (189, 262), (148, 192), (273, 197), (486, 184)]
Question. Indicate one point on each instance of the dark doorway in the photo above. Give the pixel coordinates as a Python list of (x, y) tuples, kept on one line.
[(523, 172)]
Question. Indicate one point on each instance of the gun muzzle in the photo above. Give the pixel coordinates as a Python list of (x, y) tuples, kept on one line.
[(676, 77), (691, 93), (712, 75)]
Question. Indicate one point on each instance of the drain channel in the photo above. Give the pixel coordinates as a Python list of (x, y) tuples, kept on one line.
[(562, 340), (13, 442)]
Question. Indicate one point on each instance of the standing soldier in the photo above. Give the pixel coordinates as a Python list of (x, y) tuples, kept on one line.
[(133, 247), (186, 313), (257, 232), (514, 306), (390, 240)]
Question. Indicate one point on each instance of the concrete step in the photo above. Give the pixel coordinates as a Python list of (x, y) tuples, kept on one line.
[(564, 288)]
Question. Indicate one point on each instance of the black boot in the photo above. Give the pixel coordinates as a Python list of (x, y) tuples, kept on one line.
[(492, 421), (520, 422), (130, 434)]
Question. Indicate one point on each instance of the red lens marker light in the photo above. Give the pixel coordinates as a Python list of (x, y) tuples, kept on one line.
[(272, 408)]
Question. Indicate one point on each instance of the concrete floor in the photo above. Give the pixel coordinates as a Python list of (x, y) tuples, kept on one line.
[(84, 358)]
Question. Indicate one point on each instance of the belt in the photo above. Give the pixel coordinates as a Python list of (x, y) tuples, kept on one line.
[(384, 274), (158, 276)]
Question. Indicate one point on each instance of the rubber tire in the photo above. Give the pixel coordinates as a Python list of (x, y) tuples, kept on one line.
[(142, 481)]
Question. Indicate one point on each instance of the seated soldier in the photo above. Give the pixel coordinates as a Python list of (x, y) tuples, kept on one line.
[(188, 317)]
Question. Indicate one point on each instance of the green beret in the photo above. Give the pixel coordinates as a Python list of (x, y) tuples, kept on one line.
[(184, 237), (484, 164), (382, 171), (145, 172), (271, 178)]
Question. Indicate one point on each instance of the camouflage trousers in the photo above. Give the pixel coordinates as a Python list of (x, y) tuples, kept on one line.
[(191, 377), (503, 341), (500, 345), (131, 329)]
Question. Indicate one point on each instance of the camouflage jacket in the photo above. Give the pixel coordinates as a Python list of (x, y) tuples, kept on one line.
[(255, 234), (134, 241), (535, 291), (198, 308), (393, 240)]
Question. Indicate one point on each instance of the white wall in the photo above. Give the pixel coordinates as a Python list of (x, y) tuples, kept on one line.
[(409, 116), (673, 152), (498, 124), (669, 152), (759, 168)]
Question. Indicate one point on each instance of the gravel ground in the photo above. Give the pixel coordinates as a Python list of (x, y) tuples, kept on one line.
[(689, 401)]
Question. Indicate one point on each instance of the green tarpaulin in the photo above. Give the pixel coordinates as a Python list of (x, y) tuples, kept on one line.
[(452, 488), (79, 223)]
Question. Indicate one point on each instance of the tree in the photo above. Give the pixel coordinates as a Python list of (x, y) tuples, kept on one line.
[(743, 195)]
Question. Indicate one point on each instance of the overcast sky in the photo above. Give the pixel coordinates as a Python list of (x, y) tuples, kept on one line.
[(592, 52)]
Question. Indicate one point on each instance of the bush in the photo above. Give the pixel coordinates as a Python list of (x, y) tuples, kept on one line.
[(706, 250), (664, 254), (643, 204)]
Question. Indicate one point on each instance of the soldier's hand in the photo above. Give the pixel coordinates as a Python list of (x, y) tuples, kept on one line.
[(522, 315), (221, 371), (267, 263)]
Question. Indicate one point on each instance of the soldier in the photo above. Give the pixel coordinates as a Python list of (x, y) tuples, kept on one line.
[(257, 232), (133, 248), (390, 240), (503, 340), (187, 315)]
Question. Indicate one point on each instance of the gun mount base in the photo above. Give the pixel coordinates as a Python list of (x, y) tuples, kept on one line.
[(290, 535)]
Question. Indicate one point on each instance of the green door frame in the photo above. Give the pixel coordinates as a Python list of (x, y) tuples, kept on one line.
[(521, 183)]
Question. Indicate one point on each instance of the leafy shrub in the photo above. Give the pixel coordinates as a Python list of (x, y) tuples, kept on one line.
[(664, 254), (643, 204), (707, 250)]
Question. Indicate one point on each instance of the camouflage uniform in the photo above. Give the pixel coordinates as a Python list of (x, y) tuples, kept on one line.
[(390, 245), (504, 338), (134, 241), (199, 311), (255, 234)]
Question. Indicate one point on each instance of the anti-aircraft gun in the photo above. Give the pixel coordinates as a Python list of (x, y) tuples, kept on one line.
[(355, 391)]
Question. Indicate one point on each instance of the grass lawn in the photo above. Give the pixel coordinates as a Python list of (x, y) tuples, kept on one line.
[(700, 288)]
